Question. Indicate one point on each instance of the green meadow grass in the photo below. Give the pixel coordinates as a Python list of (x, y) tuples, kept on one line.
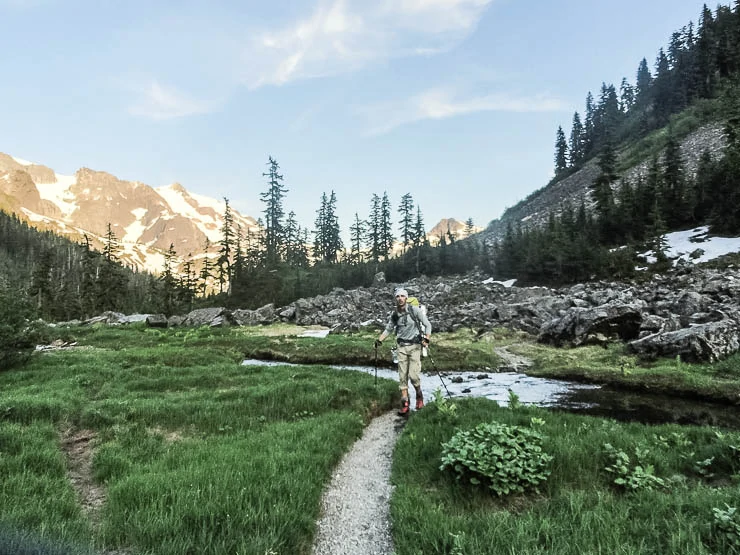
[(578, 510), (198, 454)]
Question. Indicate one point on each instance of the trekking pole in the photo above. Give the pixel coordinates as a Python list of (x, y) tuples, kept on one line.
[(434, 365), (375, 364)]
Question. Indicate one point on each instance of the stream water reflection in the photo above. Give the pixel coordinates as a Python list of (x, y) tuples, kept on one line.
[(561, 395)]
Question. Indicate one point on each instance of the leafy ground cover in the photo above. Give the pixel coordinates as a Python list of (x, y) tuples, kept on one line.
[(190, 449)]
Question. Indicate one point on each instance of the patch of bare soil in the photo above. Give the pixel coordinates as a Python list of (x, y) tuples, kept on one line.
[(78, 449)]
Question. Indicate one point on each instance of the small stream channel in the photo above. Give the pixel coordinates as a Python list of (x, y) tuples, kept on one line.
[(562, 395)]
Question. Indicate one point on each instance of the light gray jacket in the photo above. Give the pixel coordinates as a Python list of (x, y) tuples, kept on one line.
[(405, 326)]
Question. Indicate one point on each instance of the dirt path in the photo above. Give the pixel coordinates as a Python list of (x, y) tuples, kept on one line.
[(77, 448), (355, 508)]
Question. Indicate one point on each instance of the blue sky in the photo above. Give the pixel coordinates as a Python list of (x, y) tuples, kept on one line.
[(454, 101)]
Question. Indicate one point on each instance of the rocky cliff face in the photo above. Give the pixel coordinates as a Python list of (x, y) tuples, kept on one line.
[(145, 221)]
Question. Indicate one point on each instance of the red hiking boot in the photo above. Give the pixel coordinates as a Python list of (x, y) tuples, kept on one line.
[(419, 403), (404, 410)]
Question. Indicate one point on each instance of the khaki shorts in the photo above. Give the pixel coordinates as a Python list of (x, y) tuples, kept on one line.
[(409, 365)]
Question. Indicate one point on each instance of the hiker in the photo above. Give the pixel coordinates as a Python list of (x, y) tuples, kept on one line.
[(407, 321)]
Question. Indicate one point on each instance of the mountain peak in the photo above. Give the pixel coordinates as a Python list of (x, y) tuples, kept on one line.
[(145, 220)]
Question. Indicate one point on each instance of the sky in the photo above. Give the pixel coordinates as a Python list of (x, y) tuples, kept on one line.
[(456, 102)]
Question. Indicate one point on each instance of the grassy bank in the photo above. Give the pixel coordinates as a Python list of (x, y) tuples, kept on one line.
[(176, 447)]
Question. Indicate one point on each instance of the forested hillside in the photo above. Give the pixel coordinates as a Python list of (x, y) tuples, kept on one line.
[(694, 85), (62, 280)]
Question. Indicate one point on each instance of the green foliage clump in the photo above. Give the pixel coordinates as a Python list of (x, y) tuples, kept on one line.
[(726, 529), (632, 477), (508, 458), (444, 405)]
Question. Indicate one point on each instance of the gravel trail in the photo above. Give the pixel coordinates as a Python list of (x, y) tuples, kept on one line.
[(355, 508)]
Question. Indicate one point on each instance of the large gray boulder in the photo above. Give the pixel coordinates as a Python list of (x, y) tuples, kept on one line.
[(213, 317), (708, 342), (580, 326)]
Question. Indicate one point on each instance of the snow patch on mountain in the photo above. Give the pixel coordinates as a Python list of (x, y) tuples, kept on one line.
[(137, 228), (22, 162), (59, 193), (178, 199)]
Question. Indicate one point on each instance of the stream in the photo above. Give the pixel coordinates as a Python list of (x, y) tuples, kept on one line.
[(561, 395)]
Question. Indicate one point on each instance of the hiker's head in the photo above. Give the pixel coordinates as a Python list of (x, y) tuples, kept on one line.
[(401, 296)]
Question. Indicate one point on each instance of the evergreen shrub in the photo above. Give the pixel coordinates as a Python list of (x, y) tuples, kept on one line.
[(17, 335)]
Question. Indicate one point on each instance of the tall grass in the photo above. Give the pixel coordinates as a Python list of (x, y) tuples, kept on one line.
[(196, 453)]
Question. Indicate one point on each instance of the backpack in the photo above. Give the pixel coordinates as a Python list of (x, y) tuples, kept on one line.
[(413, 301)]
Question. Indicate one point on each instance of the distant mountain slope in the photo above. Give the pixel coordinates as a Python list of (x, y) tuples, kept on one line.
[(145, 220), (535, 208)]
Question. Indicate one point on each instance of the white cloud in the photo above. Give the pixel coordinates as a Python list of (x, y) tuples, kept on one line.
[(159, 103), (345, 35), (441, 103), (437, 15)]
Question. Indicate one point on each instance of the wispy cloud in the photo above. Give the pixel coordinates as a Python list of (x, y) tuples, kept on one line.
[(22, 4), (159, 103), (441, 103), (345, 35)]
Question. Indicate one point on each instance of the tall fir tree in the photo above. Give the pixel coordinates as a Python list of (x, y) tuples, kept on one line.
[(274, 212), (561, 152), (406, 223), (356, 238), (226, 248), (576, 146), (386, 227)]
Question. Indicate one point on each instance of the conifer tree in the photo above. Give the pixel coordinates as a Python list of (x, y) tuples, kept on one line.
[(386, 227), (110, 284), (406, 210), (706, 53), (576, 146), (374, 240), (41, 283), (205, 274), (419, 240), (356, 238), (274, 214), (602, 189), (226, 247), (327, 235), (295, 248), (561, 152), (588, 125), (626, 96), (675, 187), (643, 83), (168, 279)]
